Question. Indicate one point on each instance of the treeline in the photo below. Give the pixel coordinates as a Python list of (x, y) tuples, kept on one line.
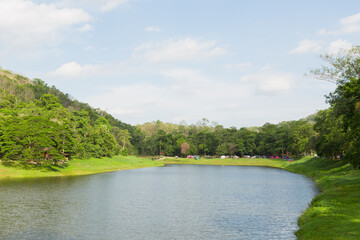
[(287, 138), (41, 124)]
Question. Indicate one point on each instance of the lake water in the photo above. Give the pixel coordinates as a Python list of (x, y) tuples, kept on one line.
[(172, 202)]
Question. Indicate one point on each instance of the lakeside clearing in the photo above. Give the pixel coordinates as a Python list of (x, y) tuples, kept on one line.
[(333, 214), (79, 167)]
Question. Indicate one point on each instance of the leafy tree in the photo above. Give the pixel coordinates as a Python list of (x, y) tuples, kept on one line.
[(222, 149), (104, 142), (344, 70), (49, 101), (40, 88), (103, 122), (28, 138), (122, 137), (299, 137), (205, 141), (246, 141), (164, 143), (331, 139)]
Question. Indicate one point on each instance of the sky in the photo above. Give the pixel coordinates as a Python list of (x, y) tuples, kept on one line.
[(234, 62)]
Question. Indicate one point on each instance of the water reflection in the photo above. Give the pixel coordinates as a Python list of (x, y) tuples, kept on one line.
[(173, 202)]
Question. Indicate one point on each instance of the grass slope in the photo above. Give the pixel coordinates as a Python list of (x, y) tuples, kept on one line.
[(80, 167), (333, 214)]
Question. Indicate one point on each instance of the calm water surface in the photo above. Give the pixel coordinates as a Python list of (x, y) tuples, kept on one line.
[(172, 202)]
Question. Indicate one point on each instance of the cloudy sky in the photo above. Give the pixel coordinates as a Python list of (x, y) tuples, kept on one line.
[(235, 62)]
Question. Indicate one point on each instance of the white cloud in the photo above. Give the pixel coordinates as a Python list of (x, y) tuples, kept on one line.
[(187, 49), (322, 31), (24, 24), (353, 19), (338, 45), (266, 67), (270, 82), (129, 101), (239, 66), (95, 5), (87, 27), (192, 82), (111, 4), (187, 80), (152, 29), (127, 112), (191, 94), (350, 24), (306, 46), (88, 48), (75, 70)]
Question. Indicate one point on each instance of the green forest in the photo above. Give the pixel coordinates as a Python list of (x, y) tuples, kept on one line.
[(41, 125)]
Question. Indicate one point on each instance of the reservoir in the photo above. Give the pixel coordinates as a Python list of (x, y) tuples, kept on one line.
[(171, 202)]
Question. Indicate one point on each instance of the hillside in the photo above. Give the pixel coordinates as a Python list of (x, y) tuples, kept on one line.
[(28, 90), (39, 123)]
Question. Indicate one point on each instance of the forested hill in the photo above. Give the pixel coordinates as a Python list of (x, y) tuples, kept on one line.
[(39, 122), (28, 90)]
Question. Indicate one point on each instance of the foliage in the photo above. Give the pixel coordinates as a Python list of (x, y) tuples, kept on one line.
[(344, 70), (83, 131), (44, 132), (331, 140), (287, 138), (28, 138)]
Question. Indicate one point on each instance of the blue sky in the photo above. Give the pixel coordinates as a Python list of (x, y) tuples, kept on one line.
[(238, 63)]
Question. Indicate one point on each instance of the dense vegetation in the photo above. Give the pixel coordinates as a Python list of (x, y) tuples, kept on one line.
[(284, 139), (40, 124)]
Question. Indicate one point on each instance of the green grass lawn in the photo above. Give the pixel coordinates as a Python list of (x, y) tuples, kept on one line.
[(79, 167), (335, 213), (229, 161)]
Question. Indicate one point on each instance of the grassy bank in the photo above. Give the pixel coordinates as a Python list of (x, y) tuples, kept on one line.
[(78, 167), (333, 214)]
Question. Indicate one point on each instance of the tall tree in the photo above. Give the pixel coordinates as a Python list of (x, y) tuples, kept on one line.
[(30, 138), (344, 70)]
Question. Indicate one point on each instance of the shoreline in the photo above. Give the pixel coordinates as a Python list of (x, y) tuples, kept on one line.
[(333, 214), (78, 167)]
